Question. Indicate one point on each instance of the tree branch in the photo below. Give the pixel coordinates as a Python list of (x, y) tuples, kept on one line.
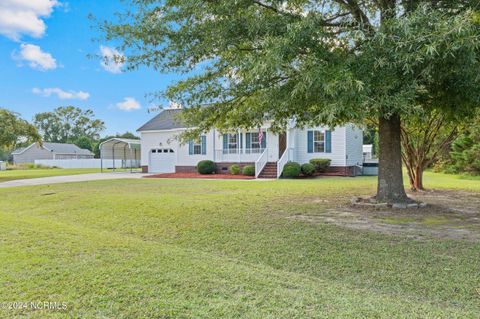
[(358, 14), (274, 9)]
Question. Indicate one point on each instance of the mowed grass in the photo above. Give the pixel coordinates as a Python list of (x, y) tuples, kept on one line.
[(44, 172), (157, 248)]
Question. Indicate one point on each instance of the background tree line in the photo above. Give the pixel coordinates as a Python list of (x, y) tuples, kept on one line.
[(66, 124)]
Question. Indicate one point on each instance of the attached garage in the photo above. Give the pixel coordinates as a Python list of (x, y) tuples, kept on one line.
[(162, 160)]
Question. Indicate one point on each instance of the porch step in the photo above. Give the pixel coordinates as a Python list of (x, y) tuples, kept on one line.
[(269, 171)]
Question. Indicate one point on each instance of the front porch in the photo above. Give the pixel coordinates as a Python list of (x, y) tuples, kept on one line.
[(263, 149)]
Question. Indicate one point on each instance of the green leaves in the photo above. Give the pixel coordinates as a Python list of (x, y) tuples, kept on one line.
[(68, 123), (427, 59), (465, 155), (15, 130), (320, 62)]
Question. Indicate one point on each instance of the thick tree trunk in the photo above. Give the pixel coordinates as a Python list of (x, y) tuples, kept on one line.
[(390, 179)]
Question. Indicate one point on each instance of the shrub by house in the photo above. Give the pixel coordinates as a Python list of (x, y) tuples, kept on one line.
[(249, 170), (206, 167), (234, 169), (321, 164), (308, 169), (291, 170)]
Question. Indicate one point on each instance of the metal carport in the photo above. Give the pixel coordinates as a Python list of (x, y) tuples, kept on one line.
[(123, 152)]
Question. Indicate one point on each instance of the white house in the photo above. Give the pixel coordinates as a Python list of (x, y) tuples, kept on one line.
[(162, 152)]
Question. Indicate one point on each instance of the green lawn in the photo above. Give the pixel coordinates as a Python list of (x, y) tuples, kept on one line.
[(44, 172), (156, 248)]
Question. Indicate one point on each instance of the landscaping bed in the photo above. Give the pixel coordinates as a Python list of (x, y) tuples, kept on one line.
[(204, 176)]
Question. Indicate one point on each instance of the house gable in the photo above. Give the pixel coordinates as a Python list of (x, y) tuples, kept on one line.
[(32, 153)]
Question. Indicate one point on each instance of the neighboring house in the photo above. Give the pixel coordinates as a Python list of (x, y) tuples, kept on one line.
[(49, 151), (162, 152)]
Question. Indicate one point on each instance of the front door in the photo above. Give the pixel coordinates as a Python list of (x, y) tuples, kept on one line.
[(282, 144)]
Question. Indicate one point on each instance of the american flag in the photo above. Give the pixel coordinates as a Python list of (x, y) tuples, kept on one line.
[(260, 136)]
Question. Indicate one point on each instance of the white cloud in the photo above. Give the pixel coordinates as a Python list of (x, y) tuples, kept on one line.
[(19, 17), (112, 60), (36, 58), (61, 94), (128, 104)]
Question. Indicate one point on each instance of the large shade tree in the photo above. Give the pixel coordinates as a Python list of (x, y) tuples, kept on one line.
[(317, 61), (67, 124)]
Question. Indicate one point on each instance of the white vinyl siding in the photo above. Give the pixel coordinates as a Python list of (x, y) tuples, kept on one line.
[(354, 145), (31, 154), (301, 146)]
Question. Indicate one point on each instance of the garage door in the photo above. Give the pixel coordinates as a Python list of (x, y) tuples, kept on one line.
[(162, 160)]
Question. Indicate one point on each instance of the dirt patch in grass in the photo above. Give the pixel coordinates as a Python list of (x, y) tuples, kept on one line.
[(449, 215)]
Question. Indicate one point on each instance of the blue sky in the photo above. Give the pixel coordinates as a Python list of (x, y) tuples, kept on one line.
[(43, 64)]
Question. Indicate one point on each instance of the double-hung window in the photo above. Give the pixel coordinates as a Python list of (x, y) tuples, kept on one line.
[(255, 142), (232, 143), (198, 147), (318, 142)]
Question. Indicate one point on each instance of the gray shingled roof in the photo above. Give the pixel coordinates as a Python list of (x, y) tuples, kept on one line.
[(18, 150), (166, 120), (61, 148)]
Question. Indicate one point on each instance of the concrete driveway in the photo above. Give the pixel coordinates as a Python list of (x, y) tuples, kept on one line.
[(70, 179)]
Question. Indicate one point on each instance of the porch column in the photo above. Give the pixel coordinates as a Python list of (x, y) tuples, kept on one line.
[(293, 136), (239, 145), (287, 143)]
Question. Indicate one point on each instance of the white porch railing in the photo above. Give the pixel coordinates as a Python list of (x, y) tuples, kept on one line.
[(248, 155), (282, 161), (261, 162), (243, 151)]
